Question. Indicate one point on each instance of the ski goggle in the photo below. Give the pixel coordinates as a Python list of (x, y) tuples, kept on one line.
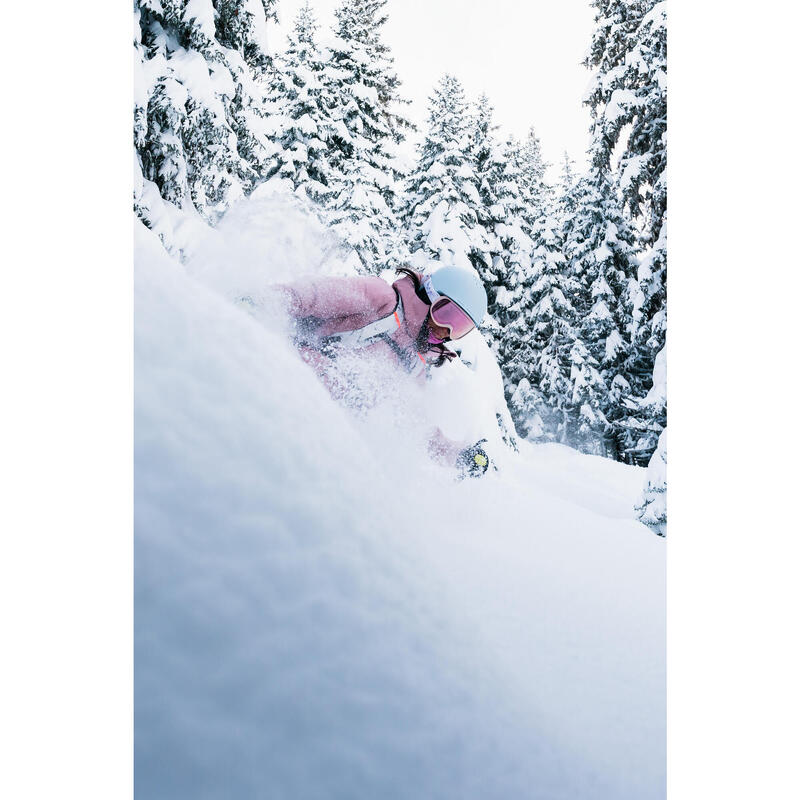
[(447, 314)]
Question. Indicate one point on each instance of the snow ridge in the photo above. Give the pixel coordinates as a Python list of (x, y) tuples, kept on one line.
[(321, 612)]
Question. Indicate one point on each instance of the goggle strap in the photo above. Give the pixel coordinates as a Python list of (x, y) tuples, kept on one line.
[(433, 295)]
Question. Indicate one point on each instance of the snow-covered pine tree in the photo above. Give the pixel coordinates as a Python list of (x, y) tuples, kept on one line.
[(652, 509), (628, 104), (510, 276), (587, 424), (509, 299), (598, 243), (538, 348), (552, 324), (534, 192), (588, 407), (514, 302), (648, 338), (643, 161), (517, 355), (487, 166), (199, 129), (643, 184), (566, 201), (364, 103), (300, 121), (541, 360), (500, 212), (443, 196)]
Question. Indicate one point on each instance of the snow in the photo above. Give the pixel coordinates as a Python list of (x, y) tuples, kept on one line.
[(155, 5), (445, 236), (321, 611), (204, 86), (657, 16), (503, 297), (259, 26), (657, 396), (614, 345), (201, 12), (634, 167), (366, 94), (619, 104)]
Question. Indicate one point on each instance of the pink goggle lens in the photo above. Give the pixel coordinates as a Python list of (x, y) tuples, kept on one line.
[(447, 314)]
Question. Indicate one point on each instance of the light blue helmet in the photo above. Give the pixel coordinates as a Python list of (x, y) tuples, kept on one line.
[(462, 286)]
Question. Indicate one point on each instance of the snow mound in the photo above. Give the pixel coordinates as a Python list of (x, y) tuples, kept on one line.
[(322, 612)]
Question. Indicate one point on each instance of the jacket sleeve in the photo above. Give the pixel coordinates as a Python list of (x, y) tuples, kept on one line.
[(445, 451), (323, 306)]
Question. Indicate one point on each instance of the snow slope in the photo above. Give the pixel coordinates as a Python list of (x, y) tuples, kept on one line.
[(321, 612)]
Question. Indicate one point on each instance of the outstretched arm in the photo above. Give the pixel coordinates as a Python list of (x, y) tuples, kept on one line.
[(324, 306), (470, 460), (443, 450)]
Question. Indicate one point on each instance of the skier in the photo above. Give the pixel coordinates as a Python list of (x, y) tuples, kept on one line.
[(409, 322)]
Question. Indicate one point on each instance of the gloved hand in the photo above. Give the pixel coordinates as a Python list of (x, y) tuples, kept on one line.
[(473, 461)]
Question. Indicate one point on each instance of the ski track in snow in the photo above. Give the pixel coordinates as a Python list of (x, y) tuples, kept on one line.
[(321, 612)]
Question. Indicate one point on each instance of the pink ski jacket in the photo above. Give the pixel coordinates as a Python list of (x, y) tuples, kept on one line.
[(324, 307)]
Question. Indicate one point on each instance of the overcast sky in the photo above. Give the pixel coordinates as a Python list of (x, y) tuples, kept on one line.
[(525, 54)]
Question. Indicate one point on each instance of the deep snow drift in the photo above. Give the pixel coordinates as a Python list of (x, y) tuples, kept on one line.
[(322, 612)]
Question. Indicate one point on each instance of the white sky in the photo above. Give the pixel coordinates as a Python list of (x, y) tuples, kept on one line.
[(524, 54)]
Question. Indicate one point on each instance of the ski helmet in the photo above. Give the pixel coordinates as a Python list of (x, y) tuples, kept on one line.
[(464, 287)]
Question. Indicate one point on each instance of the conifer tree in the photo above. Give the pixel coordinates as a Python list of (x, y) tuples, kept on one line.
[(548, 353), (628, 96), (652, 508), (509, 297), (538, 349), (643, 162), (532, 168), (643, 186), (599, 244), (365, 105), (301, 125), (552, 326), (585, 412), (515, 213), (566, 202), (487, 165), (537, 342), (198, 119), (608, 96), (443, 195), (514, 303), (505, 262)]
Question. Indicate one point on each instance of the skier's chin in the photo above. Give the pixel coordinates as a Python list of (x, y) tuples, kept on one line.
[(437, 335)]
